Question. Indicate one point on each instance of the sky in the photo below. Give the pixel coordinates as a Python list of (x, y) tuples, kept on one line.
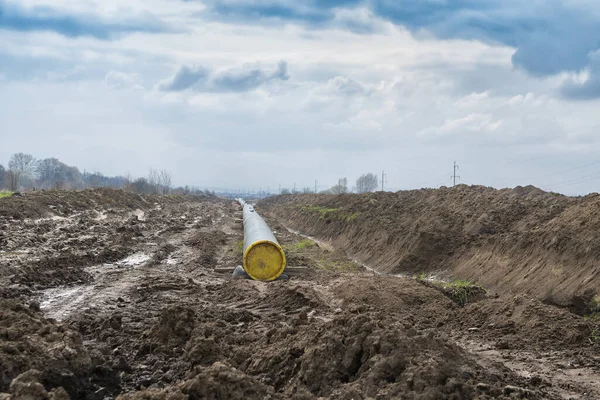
[(262, 94)]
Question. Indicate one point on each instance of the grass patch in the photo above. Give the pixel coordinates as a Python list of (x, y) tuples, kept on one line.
[(5, 193), (299, 247), (460, 291), (322, 211), (593, 321), (303, 244), (333, 213)]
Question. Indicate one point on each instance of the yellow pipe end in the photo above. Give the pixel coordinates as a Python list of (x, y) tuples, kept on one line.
[(264, 260)]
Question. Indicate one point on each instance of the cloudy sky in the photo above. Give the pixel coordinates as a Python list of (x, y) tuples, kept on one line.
[(261, 93)]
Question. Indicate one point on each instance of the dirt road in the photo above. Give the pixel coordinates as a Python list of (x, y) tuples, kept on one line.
[(112, 294)]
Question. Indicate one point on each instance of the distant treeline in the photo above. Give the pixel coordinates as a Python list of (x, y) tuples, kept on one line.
[(24, 172)]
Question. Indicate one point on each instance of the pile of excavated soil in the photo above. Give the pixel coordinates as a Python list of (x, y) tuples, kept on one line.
[(29, 342), (46, 203), (519, 240)]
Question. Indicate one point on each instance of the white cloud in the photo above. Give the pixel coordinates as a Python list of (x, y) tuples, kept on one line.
[(122, 80)]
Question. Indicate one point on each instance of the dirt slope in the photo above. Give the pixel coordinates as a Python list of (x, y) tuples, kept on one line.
[(512, 241)]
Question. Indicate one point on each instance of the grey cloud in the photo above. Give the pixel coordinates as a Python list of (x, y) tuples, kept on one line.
[(549, 36), (347, 86), (46, 18), (185, 78), (587, 90), (242, 79)]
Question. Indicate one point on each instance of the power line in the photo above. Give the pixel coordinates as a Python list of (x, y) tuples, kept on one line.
[(575, 181), (555, 173)]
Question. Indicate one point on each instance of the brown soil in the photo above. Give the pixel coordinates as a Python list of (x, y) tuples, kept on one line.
[(519, 240), (116, 301)]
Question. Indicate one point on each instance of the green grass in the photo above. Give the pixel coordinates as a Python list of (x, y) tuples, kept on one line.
[(333, 213), (460, 291), (594, 321), (322, 211), (303, 244), (5, 193)]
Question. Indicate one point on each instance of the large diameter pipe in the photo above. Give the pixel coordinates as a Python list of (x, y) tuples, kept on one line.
[(264, 259)]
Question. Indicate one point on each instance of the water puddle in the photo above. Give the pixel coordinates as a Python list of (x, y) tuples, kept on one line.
[(134, 260), (110, 282), (59, 303)]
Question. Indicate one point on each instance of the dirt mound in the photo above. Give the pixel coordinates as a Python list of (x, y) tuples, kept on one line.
[(511, 240), (56, 352), (45, 203), (520, 322), (28, 386), (219, 381), (173, 329)]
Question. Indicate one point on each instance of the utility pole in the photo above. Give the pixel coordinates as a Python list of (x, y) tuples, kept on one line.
[(454, 176), (383, 181), (294, 187), (315, 186)]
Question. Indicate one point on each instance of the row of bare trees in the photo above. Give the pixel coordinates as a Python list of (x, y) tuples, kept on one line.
[(25, 173), (364, 184)]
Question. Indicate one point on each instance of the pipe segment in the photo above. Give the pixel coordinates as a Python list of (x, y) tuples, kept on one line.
[(264, 259)]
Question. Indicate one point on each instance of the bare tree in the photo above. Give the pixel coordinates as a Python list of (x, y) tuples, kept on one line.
[(366, 183), (340, 188), (94, 180), (153, 181), (307, 190), (2, 176), (127, 182), (141, 185), (285, 191), (21, 166), (50, 173), (165, 181)]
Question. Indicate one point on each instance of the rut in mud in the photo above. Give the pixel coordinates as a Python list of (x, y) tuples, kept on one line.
[(107, 296)]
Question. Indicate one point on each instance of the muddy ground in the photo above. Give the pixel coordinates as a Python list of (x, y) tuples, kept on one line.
[(107, 294)]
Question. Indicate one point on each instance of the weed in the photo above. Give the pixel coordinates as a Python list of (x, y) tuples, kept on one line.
[(421, 277), (594, 322), (594, 305), (460, 291), (5, 193), (350, 217), (305, 243)]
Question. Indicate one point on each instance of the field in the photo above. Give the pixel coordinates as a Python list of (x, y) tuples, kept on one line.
[(462, 293)]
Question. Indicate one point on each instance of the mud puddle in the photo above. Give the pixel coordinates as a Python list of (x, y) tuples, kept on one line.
[(110, 282)]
